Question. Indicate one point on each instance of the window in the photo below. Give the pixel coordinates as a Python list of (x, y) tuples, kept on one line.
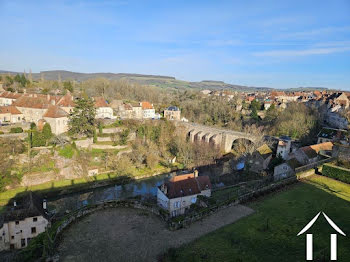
[(23, 242), (17, 222), (35, 219), (193, 200), (33, 230), (177, 204), (12, 237), (12, 246)]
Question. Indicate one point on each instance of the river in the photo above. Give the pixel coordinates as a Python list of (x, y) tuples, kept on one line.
[(144, 188)]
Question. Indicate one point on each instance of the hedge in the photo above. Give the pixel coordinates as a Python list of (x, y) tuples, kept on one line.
[(336, 172), (14, 130)]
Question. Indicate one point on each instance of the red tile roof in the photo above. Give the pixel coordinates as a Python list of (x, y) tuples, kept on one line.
[(55, 112), (146, 105), (9, 109), (312, 151), (187, 186), (100, 102), (10, 95), (66, 100), (32, 102)]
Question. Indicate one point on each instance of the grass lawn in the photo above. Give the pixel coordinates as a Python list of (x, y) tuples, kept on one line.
[(270, 234)]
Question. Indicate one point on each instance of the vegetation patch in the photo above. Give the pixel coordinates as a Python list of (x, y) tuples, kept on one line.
[(67, 151), (270, 234), (336, 172)]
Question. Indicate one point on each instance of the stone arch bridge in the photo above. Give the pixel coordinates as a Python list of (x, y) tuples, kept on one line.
[(220, 137)]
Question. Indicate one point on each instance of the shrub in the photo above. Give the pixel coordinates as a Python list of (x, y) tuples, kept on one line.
[(338, 173), (67, 151), (16, 130), (38, 139)]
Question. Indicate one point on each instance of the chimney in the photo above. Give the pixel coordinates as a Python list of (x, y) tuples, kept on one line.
[(195, 173), (14, 203), (44, 204)]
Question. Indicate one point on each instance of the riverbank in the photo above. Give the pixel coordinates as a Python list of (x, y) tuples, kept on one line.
[(71, 186)]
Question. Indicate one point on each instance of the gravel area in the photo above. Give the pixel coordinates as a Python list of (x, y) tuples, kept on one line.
[(125, 234)]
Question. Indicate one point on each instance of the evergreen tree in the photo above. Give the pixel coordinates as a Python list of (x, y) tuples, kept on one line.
[(47, 133), (82, 119)]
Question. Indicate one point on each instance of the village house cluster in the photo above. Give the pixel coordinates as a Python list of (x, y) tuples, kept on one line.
[(332, 104), (55, 109)]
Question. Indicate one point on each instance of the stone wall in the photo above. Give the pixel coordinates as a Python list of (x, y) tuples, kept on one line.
[(342, 152)]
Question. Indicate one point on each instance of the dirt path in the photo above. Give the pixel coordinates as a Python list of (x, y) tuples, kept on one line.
[(134, 235)]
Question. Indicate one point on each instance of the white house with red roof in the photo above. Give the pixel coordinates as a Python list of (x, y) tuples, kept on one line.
[(180, 192), (57, 118), (10, 114), (103, 110), (148, 110)]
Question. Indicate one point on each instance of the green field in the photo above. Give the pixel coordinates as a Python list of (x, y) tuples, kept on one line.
[(270, 234)]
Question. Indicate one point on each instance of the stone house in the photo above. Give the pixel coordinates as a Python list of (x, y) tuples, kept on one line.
[(333, 135), (103, 110), (7, 98), (172, 113), (148, 110), (137, 111), (34, 106), (311, 154), (10, 114), (284, 147), (57, 118), (180, 192), (285, 169), (22, 221), (260, 159), (66, 102), (125, 111)]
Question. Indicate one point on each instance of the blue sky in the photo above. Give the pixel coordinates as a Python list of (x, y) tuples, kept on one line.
[(280, 44)]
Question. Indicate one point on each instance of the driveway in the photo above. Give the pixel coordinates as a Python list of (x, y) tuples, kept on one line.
[(125, 234)]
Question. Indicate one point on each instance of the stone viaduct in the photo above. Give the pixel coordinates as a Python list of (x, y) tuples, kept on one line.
[(215, 136)]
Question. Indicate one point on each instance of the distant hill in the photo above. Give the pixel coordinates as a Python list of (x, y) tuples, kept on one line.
[(153, 80)]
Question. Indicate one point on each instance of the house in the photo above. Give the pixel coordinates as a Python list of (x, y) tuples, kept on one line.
[(22, 221), (103, 110), (66, 102), (286, 169), (311, 154), (267, 104), (137, 111), (284, 146), (206, 92), (172, 113), (57, 118), (333, 135), (147, 110), (180, 192), (260, 159), (10, 114), (7, 98)]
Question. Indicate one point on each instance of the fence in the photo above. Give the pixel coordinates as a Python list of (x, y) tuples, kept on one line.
[(176, 223)]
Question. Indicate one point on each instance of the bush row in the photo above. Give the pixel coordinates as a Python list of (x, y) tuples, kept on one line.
[(338, 173)]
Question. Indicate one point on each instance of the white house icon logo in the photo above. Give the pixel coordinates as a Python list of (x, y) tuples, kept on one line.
[(309, 246)]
